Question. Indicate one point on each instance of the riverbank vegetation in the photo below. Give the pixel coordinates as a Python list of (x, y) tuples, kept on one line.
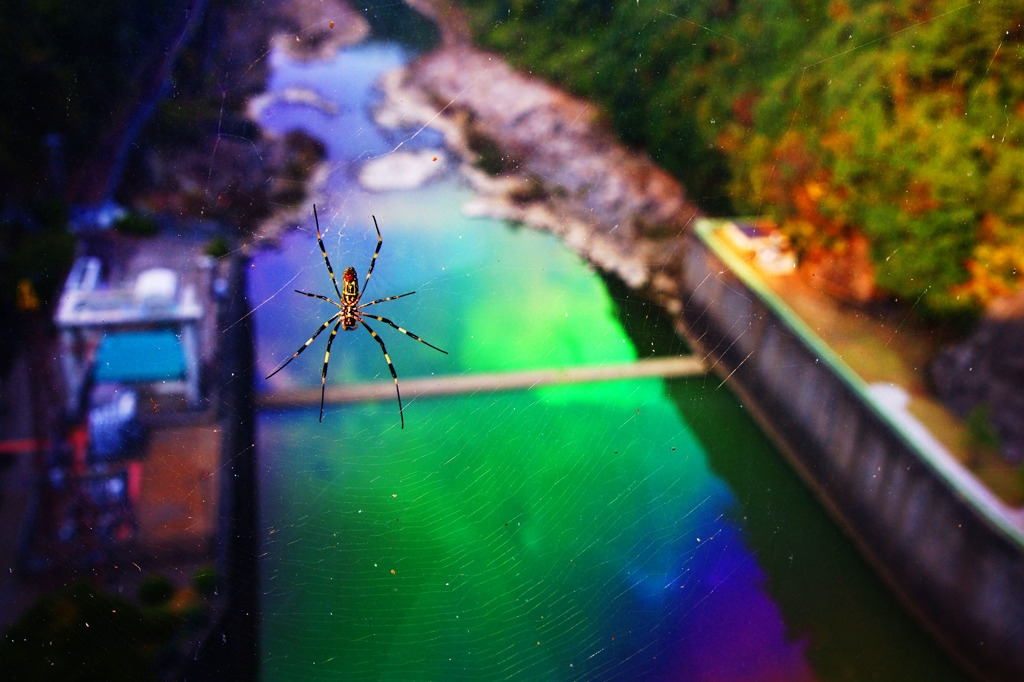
[(82, 632), (892, 130)]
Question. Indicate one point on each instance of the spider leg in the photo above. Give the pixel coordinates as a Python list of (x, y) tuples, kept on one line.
[(305, 345), (327, 260), (372, 260), (407, 333), (379, 300), (322, 298), (323, 373), (390, 366)]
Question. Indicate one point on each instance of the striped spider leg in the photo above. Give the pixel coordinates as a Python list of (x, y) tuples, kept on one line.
[(350, 316)]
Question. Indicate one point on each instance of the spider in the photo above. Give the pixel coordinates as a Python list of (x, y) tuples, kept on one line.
[(350, 316)]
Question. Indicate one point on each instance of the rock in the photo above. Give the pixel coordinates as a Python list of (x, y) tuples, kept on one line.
[(558, 138), (987, 370), (295, 96), (311, 30), (401, 170), (550, 160)]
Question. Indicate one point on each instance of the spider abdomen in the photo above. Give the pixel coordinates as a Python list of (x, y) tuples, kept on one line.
[(348, 317)]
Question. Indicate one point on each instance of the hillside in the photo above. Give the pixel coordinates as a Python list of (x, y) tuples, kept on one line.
[(882, 135)]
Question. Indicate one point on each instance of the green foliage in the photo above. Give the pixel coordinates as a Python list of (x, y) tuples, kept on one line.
[(981, 436), (204, 581), (155, 590), (137, 225), (84, 633), (81, 633), (36, 247), (900, 121), (490, 158), (218, 247)]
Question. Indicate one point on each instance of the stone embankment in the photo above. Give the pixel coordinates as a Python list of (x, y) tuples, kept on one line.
[(545, 158)]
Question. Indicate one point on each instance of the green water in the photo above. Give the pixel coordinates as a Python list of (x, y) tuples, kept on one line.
[(622, 530)]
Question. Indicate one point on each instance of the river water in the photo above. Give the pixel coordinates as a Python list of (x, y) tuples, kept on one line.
[(639, 529)]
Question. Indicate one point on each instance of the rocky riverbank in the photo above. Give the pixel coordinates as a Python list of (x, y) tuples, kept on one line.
[(542, 157), (982, 379)]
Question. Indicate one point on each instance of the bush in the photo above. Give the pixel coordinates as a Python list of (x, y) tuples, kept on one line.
[(204, 581), (38, 248), (156, 590), (218, 247), (82, 633), (490, 157), (137, 225), (981, 433)]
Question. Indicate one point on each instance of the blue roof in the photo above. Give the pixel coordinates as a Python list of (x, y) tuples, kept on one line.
[(140, 357)]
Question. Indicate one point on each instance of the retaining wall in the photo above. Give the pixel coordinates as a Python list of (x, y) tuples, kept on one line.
[(231, 649), (950, 549)]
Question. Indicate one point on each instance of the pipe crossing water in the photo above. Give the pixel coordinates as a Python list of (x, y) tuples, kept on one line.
[(489, 382)]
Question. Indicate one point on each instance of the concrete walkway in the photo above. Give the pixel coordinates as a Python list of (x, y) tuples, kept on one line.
[(490, 382)]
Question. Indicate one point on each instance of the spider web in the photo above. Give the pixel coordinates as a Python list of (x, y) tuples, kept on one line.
[(633, 529)]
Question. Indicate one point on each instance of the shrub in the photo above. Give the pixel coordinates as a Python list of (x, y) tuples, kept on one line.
[(156, 590), (204, 581), (137, 225), (218, 247)]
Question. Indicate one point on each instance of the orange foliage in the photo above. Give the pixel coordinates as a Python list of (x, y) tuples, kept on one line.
[(839, 10), (996, 266), (919, 199)]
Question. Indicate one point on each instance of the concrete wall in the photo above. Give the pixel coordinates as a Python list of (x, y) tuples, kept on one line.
[(940, 538), (231, 648)]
